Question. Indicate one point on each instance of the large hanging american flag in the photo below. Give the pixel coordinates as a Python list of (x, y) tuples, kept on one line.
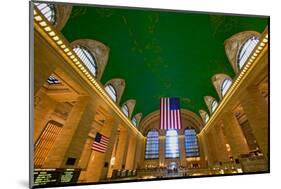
[(100, 143), (170, 114)]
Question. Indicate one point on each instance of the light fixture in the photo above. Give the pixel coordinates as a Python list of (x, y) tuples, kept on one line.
[(259, 47), (262, 44), (43, 23), (56, 38), (34, 12), (63, 46), (52, 33), (38, 18), (66, 50), (69, 53), (59, 42), (72, 56), (47, 29)]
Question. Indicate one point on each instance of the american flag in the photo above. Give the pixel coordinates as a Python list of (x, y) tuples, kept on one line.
[(100, 143), (170, 114)]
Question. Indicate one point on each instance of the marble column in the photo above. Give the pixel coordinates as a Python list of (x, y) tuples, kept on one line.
[(219, 144), (78, 116), (108, 155), (234, 135), (182, 151), (161, 150), (256, 109), (131, 151)]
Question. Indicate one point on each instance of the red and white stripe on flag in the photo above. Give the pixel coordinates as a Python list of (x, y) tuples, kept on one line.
[(100, 143), (170, 114)]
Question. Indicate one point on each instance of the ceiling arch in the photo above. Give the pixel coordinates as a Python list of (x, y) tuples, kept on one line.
[(161, 53)]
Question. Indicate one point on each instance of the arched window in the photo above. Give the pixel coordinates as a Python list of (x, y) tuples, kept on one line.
[(87, 58), (125, 110), (246, 50), (152, 145), (214, 105), (53, 80), (191, 145), (206, 118), (48, 10), (225, 86), (134, 121), (172, 144), (111, 92)]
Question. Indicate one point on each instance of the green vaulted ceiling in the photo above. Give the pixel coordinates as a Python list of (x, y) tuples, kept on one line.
[(160, 53)]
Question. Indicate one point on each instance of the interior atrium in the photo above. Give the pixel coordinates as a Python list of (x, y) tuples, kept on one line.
[(100, 74)]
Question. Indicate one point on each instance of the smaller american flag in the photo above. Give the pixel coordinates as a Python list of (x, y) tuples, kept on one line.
[(100, 143)]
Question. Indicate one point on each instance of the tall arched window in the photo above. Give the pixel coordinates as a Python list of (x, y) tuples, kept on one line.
[(206, 118), (111, 92), (87, 58), (152, 145), (172, 144), (125, 110), (246, 50), (225, 86), (191, 145), (48, 10), (214, 105), (134, 121)]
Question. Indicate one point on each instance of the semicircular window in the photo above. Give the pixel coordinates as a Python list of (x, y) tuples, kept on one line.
[(214, 105), (246, 50), (225, 86), (87, 58), (111, 92), (206, 118), (134, 121), (125, 110), (48, 10)]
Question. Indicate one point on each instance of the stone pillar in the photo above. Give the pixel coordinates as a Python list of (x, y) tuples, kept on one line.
[(99, 162), (121, 150), (126, 150), (137, 146), (219, 144), (256, 109), (210, 146), (182, 151), (142, 152), (77, 117), (161, 150), (202, 147), (131, 151), (44, 106), (139, 152), (234, 135), (108, 155), (80, 136)]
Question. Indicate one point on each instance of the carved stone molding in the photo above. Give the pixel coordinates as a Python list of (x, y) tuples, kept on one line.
[(98, 50), (119, 86), (131, 105), (234, 43), (138, 117), (203, 114), (63, 12), (217, 81), (208, 100)]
